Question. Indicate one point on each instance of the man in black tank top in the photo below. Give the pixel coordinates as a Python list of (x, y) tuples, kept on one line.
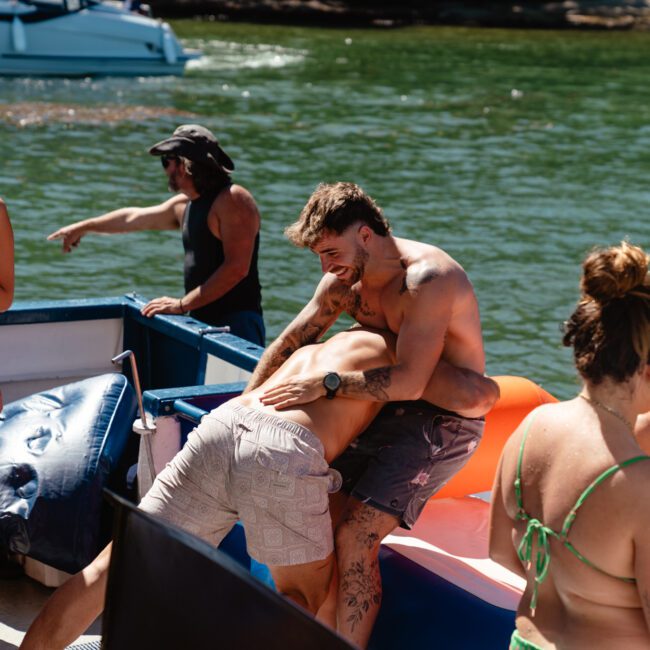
[(220, 224)]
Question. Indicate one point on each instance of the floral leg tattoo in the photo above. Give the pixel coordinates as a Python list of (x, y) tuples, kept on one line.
[(361, 588)]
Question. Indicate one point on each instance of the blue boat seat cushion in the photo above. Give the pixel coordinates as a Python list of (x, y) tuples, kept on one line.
[(57, 450)]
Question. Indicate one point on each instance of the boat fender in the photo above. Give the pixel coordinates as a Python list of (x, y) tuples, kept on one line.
[(168, 44), (18, 38)]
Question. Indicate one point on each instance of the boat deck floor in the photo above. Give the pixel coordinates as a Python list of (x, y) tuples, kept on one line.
[(20, 600)]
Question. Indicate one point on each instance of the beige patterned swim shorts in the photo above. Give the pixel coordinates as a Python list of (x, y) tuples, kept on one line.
[(259, 468)]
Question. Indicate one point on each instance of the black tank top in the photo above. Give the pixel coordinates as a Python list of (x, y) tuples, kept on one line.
[(204, 255)]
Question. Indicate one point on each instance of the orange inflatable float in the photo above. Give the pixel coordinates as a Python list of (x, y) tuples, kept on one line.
[(519, 396)]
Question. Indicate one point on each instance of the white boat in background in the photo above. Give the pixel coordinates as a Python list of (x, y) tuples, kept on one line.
[(85, 38)]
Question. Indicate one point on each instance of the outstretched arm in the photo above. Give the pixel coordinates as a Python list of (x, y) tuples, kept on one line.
[(235, 219), (6, 259), (166, 216), (330, 299)]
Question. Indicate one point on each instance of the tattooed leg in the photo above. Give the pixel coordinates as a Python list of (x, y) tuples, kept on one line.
[(358, 538)]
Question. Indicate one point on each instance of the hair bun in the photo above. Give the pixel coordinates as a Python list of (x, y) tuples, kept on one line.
[(611, 273)]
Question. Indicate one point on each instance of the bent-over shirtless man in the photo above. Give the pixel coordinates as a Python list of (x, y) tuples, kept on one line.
[(270, 469), (423, 437)]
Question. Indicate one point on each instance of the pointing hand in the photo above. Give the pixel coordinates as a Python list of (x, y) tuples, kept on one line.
[(71, 236)]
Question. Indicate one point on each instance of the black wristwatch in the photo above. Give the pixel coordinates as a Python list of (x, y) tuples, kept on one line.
[(332, 382)]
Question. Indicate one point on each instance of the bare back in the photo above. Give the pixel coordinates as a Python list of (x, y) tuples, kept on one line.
[(578, 605), (336, 422)]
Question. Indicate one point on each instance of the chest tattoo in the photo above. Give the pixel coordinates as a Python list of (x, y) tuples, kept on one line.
[(359, 306), (342, 298)]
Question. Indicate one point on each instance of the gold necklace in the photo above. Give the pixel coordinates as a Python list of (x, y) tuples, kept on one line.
[(609, 409)]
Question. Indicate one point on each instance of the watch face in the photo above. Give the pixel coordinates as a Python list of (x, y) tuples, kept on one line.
[(332, 381)]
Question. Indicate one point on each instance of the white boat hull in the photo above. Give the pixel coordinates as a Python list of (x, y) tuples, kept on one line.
[(98, 39)]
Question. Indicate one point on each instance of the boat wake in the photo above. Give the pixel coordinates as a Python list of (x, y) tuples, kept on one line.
[(225, 55)]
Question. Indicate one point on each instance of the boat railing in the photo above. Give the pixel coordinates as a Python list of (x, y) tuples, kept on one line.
[(49, 343), (190, 403)]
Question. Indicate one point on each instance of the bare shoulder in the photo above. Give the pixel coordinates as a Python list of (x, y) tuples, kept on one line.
[(5, 224), (635, 478), (535, 425), (426, 266), (625, 493), (234, 214), (236, 198), (540, 424)]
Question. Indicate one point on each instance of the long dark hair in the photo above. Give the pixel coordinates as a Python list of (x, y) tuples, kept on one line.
[(206, 176)]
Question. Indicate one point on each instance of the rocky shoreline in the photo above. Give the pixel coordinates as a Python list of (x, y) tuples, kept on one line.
[(567, 14)]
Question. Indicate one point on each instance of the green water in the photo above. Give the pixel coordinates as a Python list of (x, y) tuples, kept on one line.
[(515, 151)]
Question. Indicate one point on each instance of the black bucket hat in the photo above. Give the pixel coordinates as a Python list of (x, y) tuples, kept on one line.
[(196, 143)]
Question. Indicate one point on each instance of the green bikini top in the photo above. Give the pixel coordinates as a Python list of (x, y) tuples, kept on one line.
[(536, 528)]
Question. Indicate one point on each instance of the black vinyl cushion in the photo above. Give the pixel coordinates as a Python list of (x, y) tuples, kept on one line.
[(57, 449)]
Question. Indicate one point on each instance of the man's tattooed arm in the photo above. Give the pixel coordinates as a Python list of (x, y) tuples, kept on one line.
[(280, 350), (308, 327), (371, 384)]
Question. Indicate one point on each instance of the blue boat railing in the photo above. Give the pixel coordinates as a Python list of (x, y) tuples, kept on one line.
[(171, 350), (187, 410)]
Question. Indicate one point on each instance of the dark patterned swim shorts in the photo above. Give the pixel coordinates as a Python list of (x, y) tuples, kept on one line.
[(409, 451)]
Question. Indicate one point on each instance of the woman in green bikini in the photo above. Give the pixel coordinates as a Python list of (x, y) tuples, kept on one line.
[(571, 499)]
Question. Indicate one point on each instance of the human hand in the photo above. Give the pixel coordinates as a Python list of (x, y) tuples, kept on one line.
[(162, 305), (300, 389), (71, 236)]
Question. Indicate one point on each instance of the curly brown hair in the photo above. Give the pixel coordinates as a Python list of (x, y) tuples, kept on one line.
[(610, 327), (333, 208)]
